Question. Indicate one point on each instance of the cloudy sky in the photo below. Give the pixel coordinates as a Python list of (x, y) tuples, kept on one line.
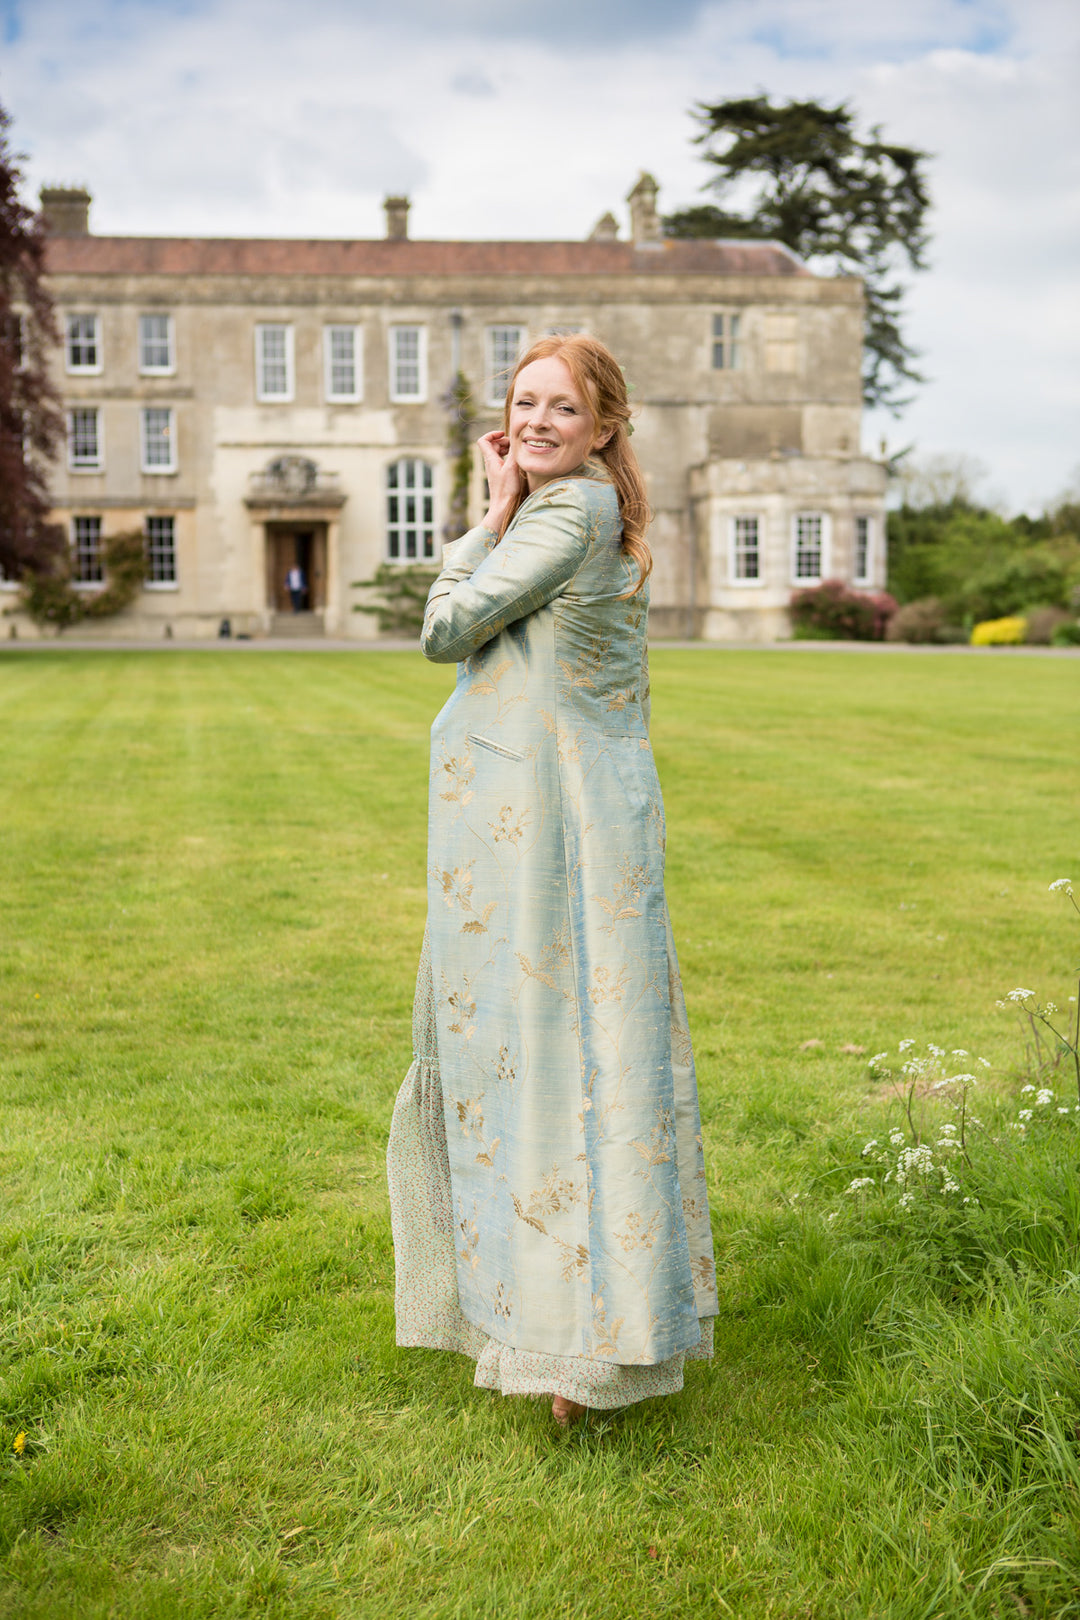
[(269, 117)]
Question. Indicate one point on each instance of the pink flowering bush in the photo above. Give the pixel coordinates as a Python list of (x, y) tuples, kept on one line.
[(835, 611)]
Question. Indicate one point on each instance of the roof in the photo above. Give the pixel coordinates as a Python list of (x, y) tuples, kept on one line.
[(225, 256)]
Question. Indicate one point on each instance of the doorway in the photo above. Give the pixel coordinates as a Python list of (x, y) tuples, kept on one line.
[(303, 547)]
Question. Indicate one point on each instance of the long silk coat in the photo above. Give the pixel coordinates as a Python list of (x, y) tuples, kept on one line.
[(567, 1072)]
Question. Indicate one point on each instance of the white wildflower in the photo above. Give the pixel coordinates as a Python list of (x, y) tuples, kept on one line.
[(906, 1045), (938, 1051), (833, 1216), (860, 1182), (1025, 1089), (1062, 885), (1024, 1114), (879, 1057), (1051, 1007), (914, 1161), (1063, 1110), (1020, 995), (897, 1138), (1042, 1098), (871, 1144), (985, 1062), (958, 1051)]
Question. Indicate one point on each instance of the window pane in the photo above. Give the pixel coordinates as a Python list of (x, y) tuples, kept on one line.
[(273, 368), (155, 348), (83, 437), (726, 349), (405, 362), (82, 342), (862, 547), (504, 345), (410, 516), (157, 437), (86, 551), (747, 555), (342, 350), (161, 550), (808, 545)]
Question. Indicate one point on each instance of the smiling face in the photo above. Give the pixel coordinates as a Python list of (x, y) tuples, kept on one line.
[(551, 426)]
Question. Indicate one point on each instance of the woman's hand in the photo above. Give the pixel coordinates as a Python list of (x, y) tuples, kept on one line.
[(505, 478)]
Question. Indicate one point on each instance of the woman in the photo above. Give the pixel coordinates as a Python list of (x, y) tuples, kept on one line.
[(546, 1175)]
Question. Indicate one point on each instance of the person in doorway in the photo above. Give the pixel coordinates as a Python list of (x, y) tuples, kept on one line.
[(547, 1182), (297, 586)]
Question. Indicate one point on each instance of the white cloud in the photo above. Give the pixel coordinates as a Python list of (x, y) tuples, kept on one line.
[(237, 117)]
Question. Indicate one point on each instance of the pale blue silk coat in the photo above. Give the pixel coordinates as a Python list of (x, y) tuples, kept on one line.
[(567, 1073)]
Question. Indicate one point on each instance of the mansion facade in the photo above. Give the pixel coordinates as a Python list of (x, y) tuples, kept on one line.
[(257, 407)]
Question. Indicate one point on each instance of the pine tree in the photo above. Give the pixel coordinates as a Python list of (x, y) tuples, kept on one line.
[(858, 206), (31, 422)]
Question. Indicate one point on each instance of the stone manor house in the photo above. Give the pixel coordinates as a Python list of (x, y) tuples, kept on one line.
[(255, 405)]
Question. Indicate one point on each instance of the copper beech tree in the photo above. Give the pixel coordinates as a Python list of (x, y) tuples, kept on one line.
[(31, 421)]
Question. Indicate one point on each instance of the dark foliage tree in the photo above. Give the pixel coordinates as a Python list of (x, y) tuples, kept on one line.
[(858, 205), (31, 423)]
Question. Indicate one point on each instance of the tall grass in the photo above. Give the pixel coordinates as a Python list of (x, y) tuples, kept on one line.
[(212, 873)]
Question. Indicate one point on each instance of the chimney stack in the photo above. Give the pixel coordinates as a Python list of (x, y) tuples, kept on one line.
[(644, 220), (606, 229), (66, 210), (397, 218)]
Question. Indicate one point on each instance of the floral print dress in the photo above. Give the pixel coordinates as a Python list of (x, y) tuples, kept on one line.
[(546, 1171)]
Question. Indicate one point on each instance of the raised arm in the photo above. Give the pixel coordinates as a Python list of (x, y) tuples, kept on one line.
[(538, 557)]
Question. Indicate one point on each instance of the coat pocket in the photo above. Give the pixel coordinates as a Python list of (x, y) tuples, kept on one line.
[(495, 747)]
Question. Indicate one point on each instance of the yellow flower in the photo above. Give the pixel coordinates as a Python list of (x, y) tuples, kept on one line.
[(18, 1445), (1009, 632)]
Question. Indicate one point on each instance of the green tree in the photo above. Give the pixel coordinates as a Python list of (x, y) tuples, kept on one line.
[(857, 206), (31, 423)]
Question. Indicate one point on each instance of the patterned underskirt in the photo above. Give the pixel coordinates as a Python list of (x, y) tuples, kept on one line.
[(426, 1296)]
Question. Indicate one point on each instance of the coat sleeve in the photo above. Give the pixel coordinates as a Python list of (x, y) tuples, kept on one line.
[(538, 557), (463, 556)]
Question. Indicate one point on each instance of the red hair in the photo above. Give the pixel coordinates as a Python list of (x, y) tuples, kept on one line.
[(599, 380)]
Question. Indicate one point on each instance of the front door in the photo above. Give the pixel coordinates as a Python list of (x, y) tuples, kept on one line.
[(303, 548)]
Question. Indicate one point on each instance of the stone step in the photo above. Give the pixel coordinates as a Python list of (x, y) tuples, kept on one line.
[(297, 624)]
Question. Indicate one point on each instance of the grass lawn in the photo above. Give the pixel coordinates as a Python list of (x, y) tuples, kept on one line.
[(213, 870)]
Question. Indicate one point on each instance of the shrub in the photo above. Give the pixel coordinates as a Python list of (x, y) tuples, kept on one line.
[(51, 597), (1041, 624), (834, 611), (1066, 635), (922, 621), (404, 592), (1009, 632)]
